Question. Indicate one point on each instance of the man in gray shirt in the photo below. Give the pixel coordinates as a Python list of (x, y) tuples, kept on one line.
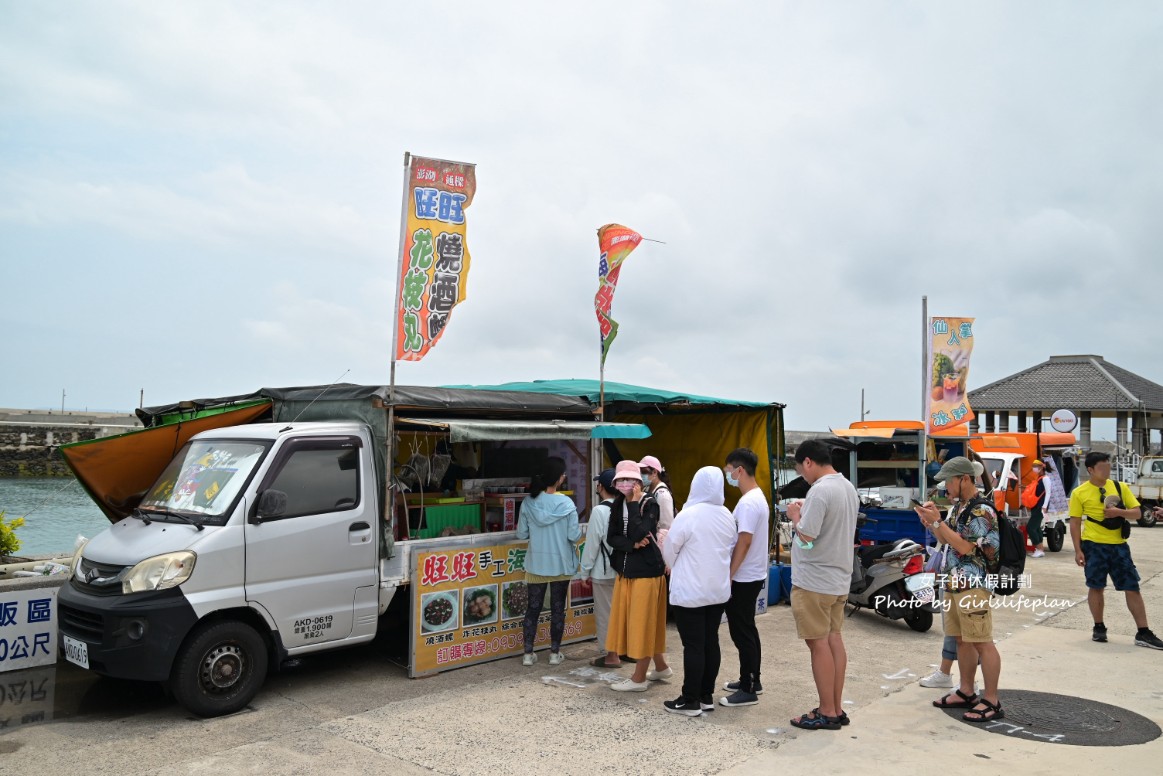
[(824, 529)]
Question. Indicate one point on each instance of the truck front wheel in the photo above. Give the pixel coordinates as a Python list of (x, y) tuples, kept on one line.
[(1148, 519), (219, 669)]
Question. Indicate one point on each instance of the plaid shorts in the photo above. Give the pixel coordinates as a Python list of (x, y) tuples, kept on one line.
[(1112, 559)]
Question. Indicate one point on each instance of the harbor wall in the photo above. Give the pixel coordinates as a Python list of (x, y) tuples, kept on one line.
[(29, 438)]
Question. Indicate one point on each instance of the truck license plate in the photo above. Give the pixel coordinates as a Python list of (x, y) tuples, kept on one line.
[(76, 652)]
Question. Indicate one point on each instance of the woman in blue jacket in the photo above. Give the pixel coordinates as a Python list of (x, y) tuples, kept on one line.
[(549, 521)]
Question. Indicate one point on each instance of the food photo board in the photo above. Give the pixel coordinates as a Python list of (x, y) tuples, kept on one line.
[(469, 604)]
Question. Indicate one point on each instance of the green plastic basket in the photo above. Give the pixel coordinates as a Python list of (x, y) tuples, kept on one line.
[(437, 518)]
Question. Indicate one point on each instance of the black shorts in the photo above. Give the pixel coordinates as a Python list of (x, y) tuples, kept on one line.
[(1112, 559)]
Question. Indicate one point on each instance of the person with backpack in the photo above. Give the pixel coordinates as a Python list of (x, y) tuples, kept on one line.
[(597, 564), (1101, 510), (1036, 498), (638, 611), (972, 561)]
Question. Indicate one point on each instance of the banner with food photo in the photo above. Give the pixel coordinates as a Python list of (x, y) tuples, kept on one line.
[(469, 603), (434, 259), (615, 242), (950, 342)]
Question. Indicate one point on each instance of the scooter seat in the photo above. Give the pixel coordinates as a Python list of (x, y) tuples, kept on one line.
[(873, 553)]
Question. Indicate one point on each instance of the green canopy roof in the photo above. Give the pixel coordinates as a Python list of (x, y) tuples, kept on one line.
[(616, 392)]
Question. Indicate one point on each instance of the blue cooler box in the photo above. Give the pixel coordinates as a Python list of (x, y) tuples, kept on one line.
[(779, 583)]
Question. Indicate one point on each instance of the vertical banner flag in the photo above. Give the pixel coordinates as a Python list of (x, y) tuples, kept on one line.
[(615, 243), (950, 346), (434, 268)]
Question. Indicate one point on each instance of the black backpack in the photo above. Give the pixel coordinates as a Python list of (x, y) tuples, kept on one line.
[(1010, 563)]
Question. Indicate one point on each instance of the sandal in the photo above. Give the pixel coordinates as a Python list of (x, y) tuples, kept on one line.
[(813, 720), (991, 711), (600, 662), (842, 716), (966, 702)]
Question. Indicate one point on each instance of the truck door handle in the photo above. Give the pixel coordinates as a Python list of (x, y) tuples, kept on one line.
[(360, 526)]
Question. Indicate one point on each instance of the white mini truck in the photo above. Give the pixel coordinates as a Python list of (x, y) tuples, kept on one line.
[(258, 542)]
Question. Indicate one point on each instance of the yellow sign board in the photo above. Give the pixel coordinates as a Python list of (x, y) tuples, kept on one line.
[(468, 607)]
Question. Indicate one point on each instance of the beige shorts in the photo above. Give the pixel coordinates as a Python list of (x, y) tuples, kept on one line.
[(969, 615), (816, 614)]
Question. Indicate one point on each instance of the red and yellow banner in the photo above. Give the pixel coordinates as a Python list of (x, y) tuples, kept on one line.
[(468, 606), (615, 243), (434, 268), (946, 398)]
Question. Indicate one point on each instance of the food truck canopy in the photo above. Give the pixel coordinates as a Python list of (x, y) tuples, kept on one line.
[(688, 430), (465, 430)]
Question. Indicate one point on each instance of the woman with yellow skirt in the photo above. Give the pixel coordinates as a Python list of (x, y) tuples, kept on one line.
[(638, 612)]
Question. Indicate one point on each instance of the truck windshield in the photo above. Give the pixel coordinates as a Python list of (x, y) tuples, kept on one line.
[(203, 480)]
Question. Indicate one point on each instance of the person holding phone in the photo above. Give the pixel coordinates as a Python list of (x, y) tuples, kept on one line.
[(638, 612)]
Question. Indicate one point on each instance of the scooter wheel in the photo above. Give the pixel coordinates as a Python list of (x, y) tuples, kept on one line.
[(920, 620)]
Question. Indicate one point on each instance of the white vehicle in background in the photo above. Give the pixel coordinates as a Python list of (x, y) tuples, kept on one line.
[(1148, 488)]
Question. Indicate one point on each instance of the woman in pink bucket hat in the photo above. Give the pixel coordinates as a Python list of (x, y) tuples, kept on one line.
[(637, 626)]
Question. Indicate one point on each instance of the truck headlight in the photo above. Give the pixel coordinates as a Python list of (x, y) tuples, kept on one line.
[(159, 572), (77, 558)]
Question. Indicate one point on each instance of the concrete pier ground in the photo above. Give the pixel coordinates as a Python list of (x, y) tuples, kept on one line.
[(356, 712)]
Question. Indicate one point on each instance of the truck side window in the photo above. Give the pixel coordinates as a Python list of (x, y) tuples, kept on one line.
[(318, 481)]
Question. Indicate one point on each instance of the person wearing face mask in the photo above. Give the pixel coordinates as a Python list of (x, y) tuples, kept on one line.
[(656, 483), (1034, 526), (638, 612), (597, 563), (749, 564), (971, 532)]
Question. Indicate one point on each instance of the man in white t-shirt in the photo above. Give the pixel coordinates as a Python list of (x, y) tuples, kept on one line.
[(749, 564), (824, 527)]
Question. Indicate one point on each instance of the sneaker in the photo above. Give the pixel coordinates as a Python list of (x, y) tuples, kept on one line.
[(630, 685), (739, 698), (757, 688), (1099, 633), (529, 659), (556, 658), (937, 679), (683, 705), (707, 702), (1038, 553), (1145, 638), (654, 676)]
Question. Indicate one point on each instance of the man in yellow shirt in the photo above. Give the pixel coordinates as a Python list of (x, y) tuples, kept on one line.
[(1099, 510)]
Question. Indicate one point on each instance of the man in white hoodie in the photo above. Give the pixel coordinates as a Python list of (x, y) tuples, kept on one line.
[(698, 550)]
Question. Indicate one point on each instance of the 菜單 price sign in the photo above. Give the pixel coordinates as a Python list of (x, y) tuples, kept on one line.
[(468, 606)]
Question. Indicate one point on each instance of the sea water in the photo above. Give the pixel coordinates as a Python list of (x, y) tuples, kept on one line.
[(55, 512)]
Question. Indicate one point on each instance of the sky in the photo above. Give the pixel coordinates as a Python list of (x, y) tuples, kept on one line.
[(201, 199)]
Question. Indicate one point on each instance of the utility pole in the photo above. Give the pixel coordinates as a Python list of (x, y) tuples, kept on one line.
[(62, 401)]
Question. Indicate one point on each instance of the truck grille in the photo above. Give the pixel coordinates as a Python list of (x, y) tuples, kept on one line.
[(75, 622), (98, 578)]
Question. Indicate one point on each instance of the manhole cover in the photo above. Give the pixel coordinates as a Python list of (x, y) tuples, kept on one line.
[(1063, 719)]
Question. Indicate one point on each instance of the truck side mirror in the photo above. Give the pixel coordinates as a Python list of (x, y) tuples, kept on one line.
[(271, 504)]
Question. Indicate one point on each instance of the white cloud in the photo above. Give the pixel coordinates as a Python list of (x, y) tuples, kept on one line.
[(813, 169)]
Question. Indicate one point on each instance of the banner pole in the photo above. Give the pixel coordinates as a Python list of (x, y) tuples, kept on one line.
[(391, 451), (925, 381)]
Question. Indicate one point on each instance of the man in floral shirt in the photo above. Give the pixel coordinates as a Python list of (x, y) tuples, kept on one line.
[(971, 532)]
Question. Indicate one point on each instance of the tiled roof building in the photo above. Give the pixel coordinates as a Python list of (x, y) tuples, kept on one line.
[(1089, 386)]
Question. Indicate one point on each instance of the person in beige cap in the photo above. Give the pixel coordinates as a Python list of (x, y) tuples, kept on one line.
[(656, 483), (971, 532)]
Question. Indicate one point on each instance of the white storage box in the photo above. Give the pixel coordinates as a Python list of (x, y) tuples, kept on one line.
[(897, 498)]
